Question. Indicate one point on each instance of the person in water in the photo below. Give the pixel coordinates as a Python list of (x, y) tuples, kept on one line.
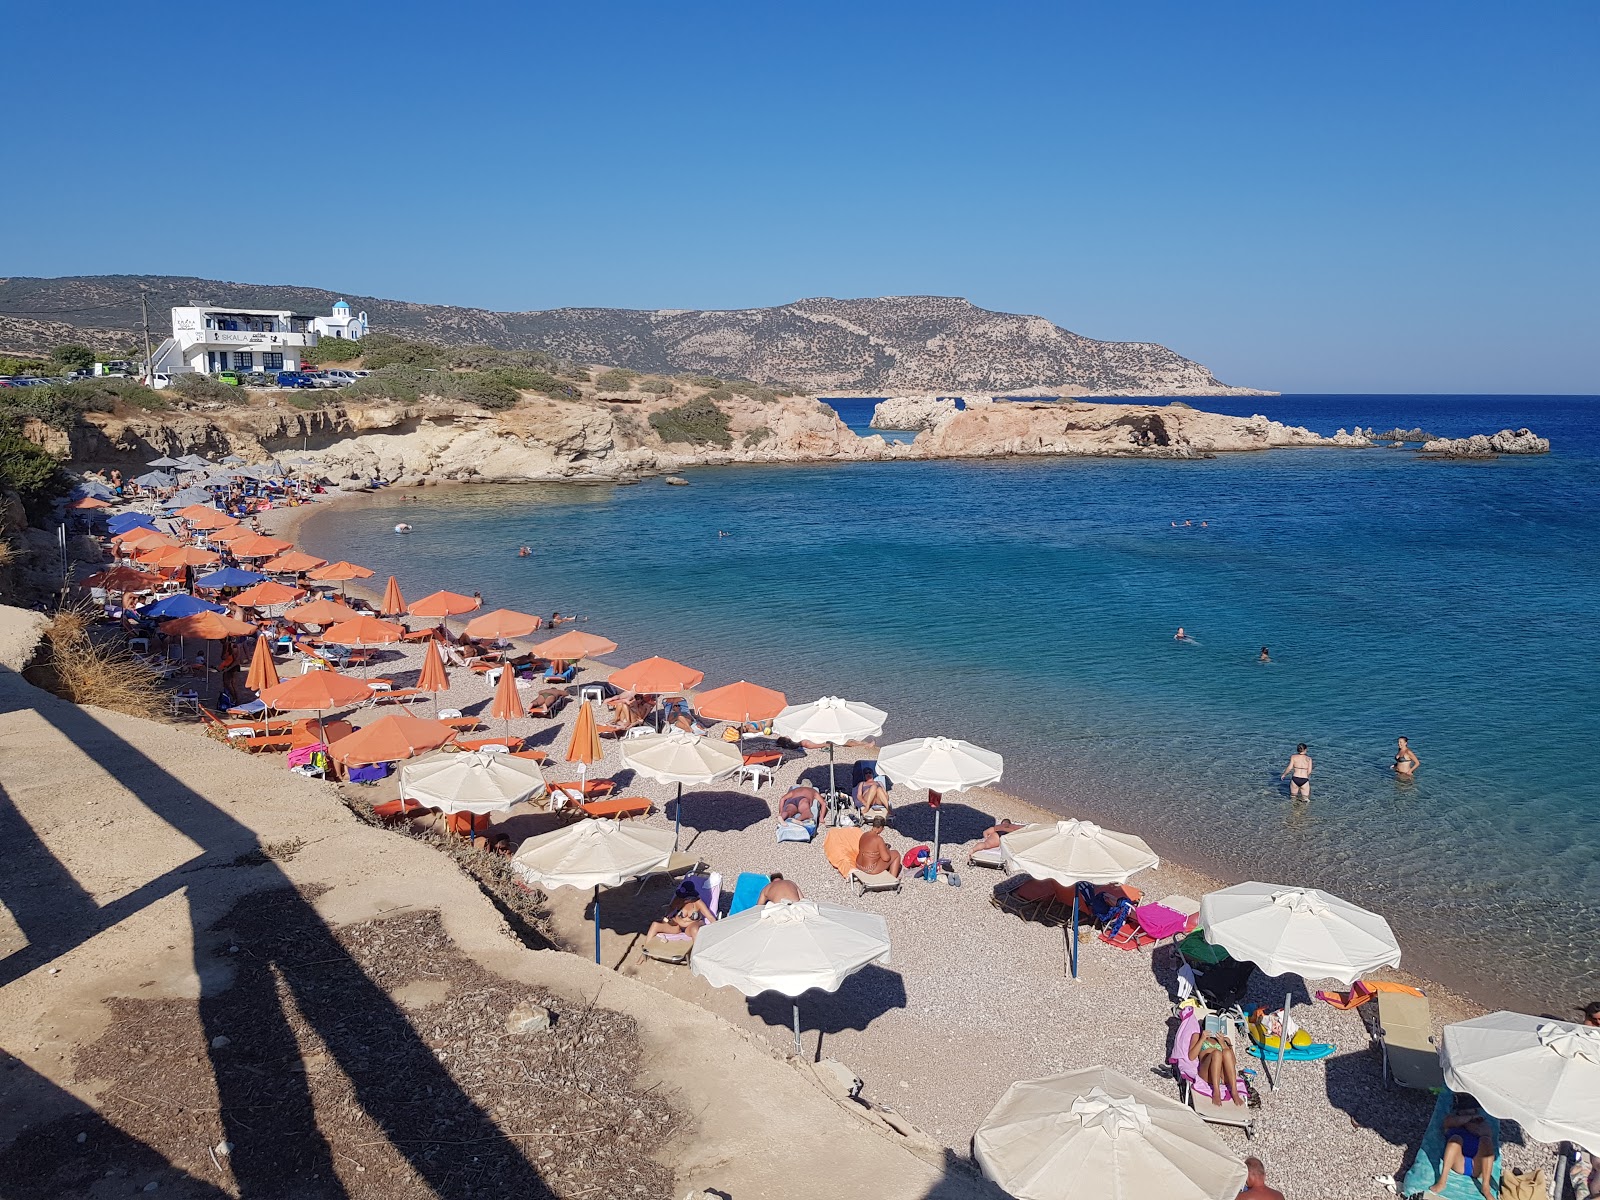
[(1181, 636), (1264, 656), (1298, 773), (1406, 761), (523, 552)]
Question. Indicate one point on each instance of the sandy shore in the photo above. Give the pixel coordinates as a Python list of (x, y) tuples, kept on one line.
[(975, 999)]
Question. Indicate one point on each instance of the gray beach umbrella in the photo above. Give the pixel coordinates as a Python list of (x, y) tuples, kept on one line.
[(155, 479), (164, 461), (233, 460), (680, 757)]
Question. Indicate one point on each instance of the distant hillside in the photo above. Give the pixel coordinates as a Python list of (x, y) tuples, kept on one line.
[(891, 344)]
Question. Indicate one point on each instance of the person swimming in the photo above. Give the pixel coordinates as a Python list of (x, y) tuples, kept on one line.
[(1406, 761), (523, 552), (1264, 656)]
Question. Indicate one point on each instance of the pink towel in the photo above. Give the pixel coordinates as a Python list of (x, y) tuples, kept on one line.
[(1187, 1066), (1159, 921)]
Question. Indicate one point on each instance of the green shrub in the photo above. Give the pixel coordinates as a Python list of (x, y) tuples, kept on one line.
[(306, 401), (705, 381), (403, 383), (756, 436), (484, 389), (333, 350), (658, 386), (618, 379), (531, 379), (753, 390), (698, 422), (198, 387), (71, 356), (718, 395), (62, 404), (576, 374), (380, 350), (30, 471), (484, 358), (22, 366)]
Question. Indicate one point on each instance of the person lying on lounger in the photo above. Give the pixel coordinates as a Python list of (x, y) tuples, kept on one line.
[(687, 914), (778, 889), (1469, 1147), (873, 856), (799, 801), (1214, 1062), (870, 793), (993, 834)]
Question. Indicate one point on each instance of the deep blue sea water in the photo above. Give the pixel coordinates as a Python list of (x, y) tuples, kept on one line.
[(1029, 605)]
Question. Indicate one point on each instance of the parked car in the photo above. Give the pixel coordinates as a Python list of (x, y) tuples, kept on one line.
[(160, 380), (294, 379), (338, 377), (231, 378)]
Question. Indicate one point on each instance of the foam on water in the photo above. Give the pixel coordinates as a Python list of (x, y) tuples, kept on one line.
[(1029, 606)]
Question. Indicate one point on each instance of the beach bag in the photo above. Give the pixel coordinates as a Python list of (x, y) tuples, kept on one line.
[(1518, 1186), (916, 858)]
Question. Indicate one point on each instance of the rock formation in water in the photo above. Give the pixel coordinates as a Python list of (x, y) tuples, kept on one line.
[(1480, 445)]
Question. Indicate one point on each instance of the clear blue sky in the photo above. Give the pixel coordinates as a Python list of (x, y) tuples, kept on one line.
[(1332, 197)]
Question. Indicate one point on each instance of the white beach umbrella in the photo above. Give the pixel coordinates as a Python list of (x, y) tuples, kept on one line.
[(1543, 1074), (592, 854), (1093, 1134), (830, 719), (1074, 852), (1301, 931), (680, 757), (476, 782), (789, 947), (940, 764)]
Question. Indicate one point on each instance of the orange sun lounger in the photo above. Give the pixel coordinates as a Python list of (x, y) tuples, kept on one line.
[(620, 807)]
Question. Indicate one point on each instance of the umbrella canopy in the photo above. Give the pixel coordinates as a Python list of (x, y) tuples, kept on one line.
[(263, 671), (678, 756), (229, 577), (830, 719), (475, 782), (88, 502), (316, 691), (321, 612), (258, 546), (573, 645), (341, 570), (655, 677), (1543, 1074), (210, 626), (740, 701), (172, 607), (432, 678), (585, 747), (93, 487), (155, 479), (180, 556), (121, 579), (163, 461), (193, 497), (789, 947), (1095, 1135), (507, 705), (444, 604), (143, 536), (124, 521), (229, 534), (592, 853), (267, 593), (363, 630), (500, 624), (1300, 930), (389, 739), (940, 764), (394, 604), (232, 460), (1075, 851), (209, 518), (296, 562), (195, 461)]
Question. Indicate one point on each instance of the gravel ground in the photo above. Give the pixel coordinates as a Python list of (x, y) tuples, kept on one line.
[(976, 999)]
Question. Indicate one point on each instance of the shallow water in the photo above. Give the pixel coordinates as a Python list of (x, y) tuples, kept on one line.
[(1030, 606)]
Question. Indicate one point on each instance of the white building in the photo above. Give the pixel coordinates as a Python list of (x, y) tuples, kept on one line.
[(342, 324), (212, 338)]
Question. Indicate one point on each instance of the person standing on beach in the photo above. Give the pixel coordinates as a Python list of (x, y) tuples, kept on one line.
[(1298, 773), (1406, 761)]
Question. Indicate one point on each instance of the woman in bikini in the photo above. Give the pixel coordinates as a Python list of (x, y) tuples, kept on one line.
[(1406, 761), (1214, 1062), (688, 914), (1298, 773)]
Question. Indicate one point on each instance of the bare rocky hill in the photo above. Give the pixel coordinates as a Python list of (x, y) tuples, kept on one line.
[(890, 344)]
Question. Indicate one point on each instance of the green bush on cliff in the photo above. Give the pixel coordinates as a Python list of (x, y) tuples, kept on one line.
[(71, 356), (22, 366), (756, 436), (530, 379), (199, 388), (618, 379), (658, 386), (699, 422), (406, 384), (380, 350), (29, 470), (333, 350), (753, 390), (705, 381), (484, 389)]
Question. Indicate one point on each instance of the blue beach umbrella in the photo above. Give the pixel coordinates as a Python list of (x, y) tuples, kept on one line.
[(177, 606), (123, 522), (229, 577), (93, 487)]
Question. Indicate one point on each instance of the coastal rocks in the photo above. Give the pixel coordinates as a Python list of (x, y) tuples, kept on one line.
[(1479, 445), (1403, 435), (912, 412)]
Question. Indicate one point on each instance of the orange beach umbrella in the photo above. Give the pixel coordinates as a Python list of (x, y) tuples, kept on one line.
[(230, 534), (390, 738), (144, 539), (320, 612), (210, 518), (180, 556), (573, 645), (191, 511), (267, 593), (296, 562), (340, 571), (316, 691), (507, 704), (210, 626), (502, 623), (364, 630), (432, 678), (394, 604), (740, 701), (89, 502), (444, 604), (584, 748), (263, 671), (656, 677), (259, 546)]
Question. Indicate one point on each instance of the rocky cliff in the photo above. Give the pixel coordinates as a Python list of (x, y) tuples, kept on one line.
[(1482, 445), (886, 345)]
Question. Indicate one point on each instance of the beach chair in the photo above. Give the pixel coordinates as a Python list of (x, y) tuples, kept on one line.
[(398, 695), (992, 857), (882, 881), (675, 948), (548, 703), (619, 808), (1424, 1172), (461, 724), (747, 890), (1405, 1035), (510, 743), (1038, 900), (566, 675), (796, 830), (1184, 1065)]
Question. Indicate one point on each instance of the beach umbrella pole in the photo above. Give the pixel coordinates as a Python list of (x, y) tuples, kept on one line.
[(832, 786), (1283, 1035), (797, 1029), (597, 924), (1074, 931), (677, 818)]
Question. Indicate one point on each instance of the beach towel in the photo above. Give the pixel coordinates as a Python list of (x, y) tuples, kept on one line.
[(1159, 921), (1361, 991), (1188, 1066), (1424, 1171), (795, 830), (841, 847), (747, 890)]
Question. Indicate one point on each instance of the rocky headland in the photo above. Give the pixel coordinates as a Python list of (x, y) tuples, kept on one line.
[(1484, 445)]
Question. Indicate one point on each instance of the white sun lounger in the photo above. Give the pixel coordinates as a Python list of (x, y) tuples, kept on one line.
[(883, 881)]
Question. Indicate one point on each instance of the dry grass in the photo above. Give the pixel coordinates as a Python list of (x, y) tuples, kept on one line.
[(8, 553), (105, 674)]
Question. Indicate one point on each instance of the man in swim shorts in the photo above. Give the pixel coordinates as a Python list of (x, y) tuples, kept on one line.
[(1298, 773), (778, 889)]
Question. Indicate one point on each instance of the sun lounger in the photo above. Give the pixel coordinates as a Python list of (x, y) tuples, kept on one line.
[(510, 743), (881, 881), (1424, 1172), (266, 744), (1405, 1033), (675, 947), (589, 789), (1196, 1092), (1039, 900), (681, 863), (398, 696), (537, 756), (618, 808), (548, 703), (462, 724), (992, 857), (747, 890)]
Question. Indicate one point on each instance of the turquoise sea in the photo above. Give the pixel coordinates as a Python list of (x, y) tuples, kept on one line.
[(1030, 606)]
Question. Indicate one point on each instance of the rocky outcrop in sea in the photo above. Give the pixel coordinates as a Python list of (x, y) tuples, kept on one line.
[(1482, 445)]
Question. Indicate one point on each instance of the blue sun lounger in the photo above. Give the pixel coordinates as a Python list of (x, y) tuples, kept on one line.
[(1424, 1173)]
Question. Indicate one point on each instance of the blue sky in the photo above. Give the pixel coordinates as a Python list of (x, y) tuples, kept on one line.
[(1334, 197)]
